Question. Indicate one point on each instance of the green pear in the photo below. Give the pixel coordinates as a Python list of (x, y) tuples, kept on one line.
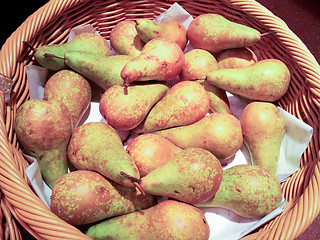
[(125, 40), (267, 80), (148, 29), (125, 109), (71, 89), (219, 133), (185, 103), (160, 59), (83, 197), (150, 151), (192, 176), (44, 128), (247, 190), (102, 70), (236, 58), (96, 146), (88, 42), (167, 220), (263, 129), (213, 32)]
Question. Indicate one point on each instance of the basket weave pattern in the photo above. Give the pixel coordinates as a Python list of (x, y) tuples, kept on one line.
[(52, 24)]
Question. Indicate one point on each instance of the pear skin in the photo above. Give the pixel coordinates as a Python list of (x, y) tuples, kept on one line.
[(150, 151), (44, 128), (125, 108), (96, 146), (185, 103), (214, 33), (236, 58), (160, 59), (248, 190), (125, 40), (167, 220), (71, 89), (267, 80), (83, 197), (263, 129), (219, 133), (102, 70), (192, 176), (88, 42), (148, 29)]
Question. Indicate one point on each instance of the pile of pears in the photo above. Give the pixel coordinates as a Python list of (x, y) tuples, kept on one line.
[(174, 104)]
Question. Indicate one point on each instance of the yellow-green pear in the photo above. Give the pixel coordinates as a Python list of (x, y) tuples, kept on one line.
[(214, 33), (267, 80), (88, 42), (236, 58), (263, 129), (248, 190)]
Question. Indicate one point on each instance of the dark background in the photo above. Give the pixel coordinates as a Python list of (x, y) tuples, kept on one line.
[(301, 16)]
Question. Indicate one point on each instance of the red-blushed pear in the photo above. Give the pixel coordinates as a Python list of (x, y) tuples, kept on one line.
[(83, 197), (192, 176), (185, 103), (150, 151), (160, 59), (167, 220), (236, 58), (44, 129), (263, 129), (96, 146)]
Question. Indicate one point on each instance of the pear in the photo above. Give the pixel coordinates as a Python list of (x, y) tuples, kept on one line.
[(236, 58), (44, 128), (72, 90), (160, 59), (102, 70), (197, 64), (148, 29), (83, 197), (192, 176), (150, 151), (263, 129), (248, 190), (96, 146), (125, 40), (219, 133), (88, 42), (267, 80), (167, 220), (185, 103), (214, 33), (125, 109)]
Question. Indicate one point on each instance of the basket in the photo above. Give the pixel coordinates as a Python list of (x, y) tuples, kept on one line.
[(52, 24)]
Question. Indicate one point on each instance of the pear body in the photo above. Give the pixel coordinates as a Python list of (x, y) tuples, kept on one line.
[(102, 70), (215, 33), (96, 146), (125, 40), (71, 89), (185, 103), (125, 108), (248, 190), (167, 220), (192, 176), (236, 58), (44, 128), (148, 29), (263, 129), (219, 133), (150, 151), (160, 59), (266, 80), (88, 42), (83, 197)]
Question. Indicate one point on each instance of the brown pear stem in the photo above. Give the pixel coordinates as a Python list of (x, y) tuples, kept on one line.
[(52, 56), (140, 188), (268, 33), (135, 181)]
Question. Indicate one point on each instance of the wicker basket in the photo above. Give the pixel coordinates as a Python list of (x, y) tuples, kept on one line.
[(52, 23)]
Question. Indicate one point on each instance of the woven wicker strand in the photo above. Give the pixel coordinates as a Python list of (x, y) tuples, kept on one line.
[(52, 23)]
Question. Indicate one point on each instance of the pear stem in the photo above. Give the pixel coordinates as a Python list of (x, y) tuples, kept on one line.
[(126, 85), (268, 33), (135, 181), (52, 56)]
